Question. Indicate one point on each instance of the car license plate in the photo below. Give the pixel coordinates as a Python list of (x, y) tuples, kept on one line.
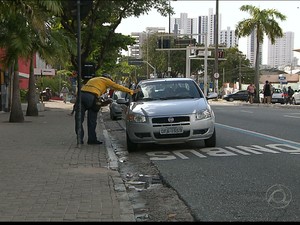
[(171, 130), (275, 100)]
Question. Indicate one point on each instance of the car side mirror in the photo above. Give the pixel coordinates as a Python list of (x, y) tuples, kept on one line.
[(123, 101)]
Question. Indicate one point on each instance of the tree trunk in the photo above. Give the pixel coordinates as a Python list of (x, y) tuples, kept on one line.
[(16, 113), (32, 109), (257, 75)]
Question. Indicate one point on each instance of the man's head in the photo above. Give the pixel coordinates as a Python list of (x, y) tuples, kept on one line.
[(106, 75)]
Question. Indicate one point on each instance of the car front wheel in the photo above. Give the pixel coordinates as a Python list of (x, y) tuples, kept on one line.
[(131, 146), (211, 142)]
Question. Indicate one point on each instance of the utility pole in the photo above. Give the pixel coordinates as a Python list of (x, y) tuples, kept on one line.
[(240, 74), (78, 119), (205, 64), (216, 46), (169, 56)]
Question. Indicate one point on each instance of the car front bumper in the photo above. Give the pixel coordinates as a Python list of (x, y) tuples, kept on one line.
[(192, 130)]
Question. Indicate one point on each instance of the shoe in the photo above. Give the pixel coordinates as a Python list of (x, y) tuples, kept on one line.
[(95, 142)]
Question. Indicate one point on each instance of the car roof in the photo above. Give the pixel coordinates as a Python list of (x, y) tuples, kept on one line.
[(239, 91), (166, 79)]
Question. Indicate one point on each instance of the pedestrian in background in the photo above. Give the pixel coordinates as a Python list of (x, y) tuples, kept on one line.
[(251, 92), (285, 94), (290, 93), (90, 94), (74, 101), (267, 91), (64, 91)]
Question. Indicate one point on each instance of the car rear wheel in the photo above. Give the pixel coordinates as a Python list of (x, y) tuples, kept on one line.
[(131, 146), (112, 116), (212, 141)]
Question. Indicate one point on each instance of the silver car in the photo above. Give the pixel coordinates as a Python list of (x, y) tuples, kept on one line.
[(296, 97), (168, 111), (115, 109)]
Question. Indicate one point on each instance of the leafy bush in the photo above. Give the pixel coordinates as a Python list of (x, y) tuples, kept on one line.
[(23, 94)]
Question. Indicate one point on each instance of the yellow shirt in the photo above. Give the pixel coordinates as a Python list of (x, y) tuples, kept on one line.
[(99, 86)]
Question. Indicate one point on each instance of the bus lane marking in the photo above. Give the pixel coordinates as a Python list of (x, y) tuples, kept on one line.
[(281, 145), (297, 117), (217, 151)]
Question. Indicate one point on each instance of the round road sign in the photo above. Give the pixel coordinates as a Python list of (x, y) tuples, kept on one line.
[(216, 75)]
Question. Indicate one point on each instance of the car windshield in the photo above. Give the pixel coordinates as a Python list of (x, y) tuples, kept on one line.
[(171, 89), (118, 95)]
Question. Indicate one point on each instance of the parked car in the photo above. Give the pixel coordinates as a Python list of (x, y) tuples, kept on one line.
[(115, 109), (168, 111), (296, 97), (212, 95), (277, 96), (241, 95)]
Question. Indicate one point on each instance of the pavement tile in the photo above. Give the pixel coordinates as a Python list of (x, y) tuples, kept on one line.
[(45, 176)]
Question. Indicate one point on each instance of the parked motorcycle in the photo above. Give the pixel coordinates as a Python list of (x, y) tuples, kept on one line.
[(46, 94)]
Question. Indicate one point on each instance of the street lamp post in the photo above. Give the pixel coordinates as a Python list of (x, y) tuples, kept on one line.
[(169, 56), (78, 108), (147, 53), (216, 44)]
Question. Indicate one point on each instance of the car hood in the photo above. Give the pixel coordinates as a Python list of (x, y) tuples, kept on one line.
[(169, 107)]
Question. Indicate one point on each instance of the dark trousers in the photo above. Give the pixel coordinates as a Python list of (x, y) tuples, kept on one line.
[(87, 102)]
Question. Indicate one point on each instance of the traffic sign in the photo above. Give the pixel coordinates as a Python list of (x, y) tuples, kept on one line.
[(133, 61), (216, 75), (202, 53)]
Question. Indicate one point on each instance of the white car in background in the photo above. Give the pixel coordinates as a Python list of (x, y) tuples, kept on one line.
[(296, 97), (277, 96)]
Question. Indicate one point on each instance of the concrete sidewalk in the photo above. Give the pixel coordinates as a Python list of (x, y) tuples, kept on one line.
[(45, 176)]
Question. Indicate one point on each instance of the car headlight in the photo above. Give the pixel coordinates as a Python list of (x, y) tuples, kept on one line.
[(203, 114), (138, 118)]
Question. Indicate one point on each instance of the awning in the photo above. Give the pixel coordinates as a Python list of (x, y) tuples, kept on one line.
[(297, 50)]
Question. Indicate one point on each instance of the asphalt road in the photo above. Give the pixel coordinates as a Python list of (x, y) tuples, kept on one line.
[(252, 174)]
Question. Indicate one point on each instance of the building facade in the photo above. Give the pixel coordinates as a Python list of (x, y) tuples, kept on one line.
[(135, 51), (281, 53), (228, 38), (251, 49)]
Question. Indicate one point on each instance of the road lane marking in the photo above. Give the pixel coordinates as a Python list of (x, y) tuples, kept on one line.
[(297, 117), (260, 135), (246, 111)]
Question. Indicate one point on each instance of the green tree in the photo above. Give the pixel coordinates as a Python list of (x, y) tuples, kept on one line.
[(100, 43), (18, 22), (49, 44), (235, 63), (261, 22), (159, 58), (15, 42)]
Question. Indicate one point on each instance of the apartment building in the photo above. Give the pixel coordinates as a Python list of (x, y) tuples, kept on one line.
[(135, 50), (281, 53), (251, 49)]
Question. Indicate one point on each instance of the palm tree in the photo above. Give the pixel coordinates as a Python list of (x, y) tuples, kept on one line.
[(261, 22), (40, 34), (21, 21), (15, 42)]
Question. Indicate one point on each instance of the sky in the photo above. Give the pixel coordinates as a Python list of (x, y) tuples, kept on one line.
[(230, 14)]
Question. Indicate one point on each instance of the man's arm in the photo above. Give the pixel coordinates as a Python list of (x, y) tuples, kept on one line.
[(122, 88)]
